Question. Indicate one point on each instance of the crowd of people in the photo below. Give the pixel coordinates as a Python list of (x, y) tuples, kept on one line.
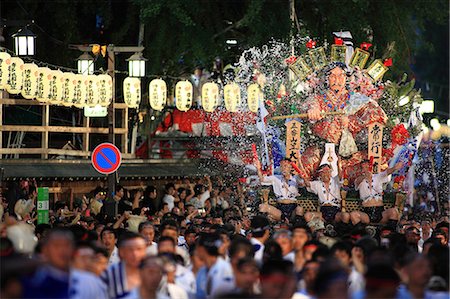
[(218, 238)]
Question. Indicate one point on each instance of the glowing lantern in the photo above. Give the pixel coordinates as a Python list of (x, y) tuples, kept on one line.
[(68, 89), (232, 96), (92, 97), (253, 96), (29, 86), (4, 69), (132, 92), (183, 94), (42, 84), (157, 94), (55, 94), (104, 90), (15, 71), (79, 96), (210, 96)]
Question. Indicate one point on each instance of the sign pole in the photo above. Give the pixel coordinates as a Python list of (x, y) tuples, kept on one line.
[(111, 178), (42, 205)]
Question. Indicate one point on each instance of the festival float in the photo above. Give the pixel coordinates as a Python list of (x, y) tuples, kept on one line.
[(329, 104)]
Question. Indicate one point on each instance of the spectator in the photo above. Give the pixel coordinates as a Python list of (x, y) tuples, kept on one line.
[(124, 276), (52, 280), (260, 234), (277, 279), (109, 240), (284, 239), (147, 230), (84, 283), (219, 274)]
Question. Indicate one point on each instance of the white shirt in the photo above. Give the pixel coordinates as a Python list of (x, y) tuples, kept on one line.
[(332, 196), (220, 279), (289, 257), (114, 258), (170, 200), (185, 279), (375, 189), (203, 197), (260, 250), (283, 189), (152, 250), (356, 282), (83, 284)]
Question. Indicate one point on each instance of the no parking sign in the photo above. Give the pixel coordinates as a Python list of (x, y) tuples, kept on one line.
[(106, 158)]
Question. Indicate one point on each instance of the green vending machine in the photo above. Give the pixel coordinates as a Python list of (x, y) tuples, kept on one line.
[(42, 205)]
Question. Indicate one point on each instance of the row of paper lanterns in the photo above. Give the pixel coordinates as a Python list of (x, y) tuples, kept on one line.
[(53, 86), (184, 95), (69, 89)]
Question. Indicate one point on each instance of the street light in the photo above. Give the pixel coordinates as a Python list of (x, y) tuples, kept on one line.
[(85, 64), (24, 42), (136, 65)]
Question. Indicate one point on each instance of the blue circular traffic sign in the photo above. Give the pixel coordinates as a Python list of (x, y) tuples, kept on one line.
[(106, 158)]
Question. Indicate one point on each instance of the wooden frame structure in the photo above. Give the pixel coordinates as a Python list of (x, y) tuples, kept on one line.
[(45, 129)]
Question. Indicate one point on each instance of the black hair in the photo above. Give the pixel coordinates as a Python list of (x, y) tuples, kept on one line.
[(109, 230), (272, 251), (211, 242), (169, 185), (342, 246), (277, 266), (145, 224), (329, 271), (169, 224), (119, 187), (241, 244), (246, 261), (165, 238), (126, 236), (42, 228), (148, 190), (58, 232), (259, 225), (198, 189)]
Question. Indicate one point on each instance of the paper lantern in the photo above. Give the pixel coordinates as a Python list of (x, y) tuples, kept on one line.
[(29, 86), (210, 96), (15, 72), (157, 94), (253, 96), (132, 92), (42, 84), (68, 88), (4, 69), (79, 95), (55, 94), (92, 96), (183, 94), (104, 90), (232, 96)]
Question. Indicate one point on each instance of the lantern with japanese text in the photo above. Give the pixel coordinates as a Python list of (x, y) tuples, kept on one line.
[(232, 96), (183, 94), (132, 92), (210, 96), (158, 94), (42, 84), (68, 88), (55, 94), (91, 83), (4, 69), (253, 96), (79, 96), (104, 90), (15, 71), (29, 86)]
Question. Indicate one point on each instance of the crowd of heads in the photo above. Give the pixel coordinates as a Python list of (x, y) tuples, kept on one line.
[(205, 239)]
